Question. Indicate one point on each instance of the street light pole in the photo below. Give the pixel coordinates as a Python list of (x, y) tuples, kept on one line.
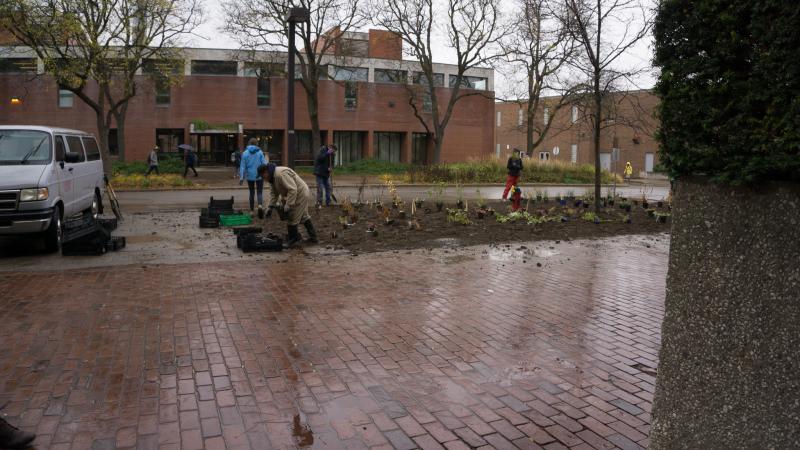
[(296, 15)]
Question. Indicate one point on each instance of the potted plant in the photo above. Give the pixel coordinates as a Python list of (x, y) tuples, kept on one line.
[(571, 195), (562, 201)]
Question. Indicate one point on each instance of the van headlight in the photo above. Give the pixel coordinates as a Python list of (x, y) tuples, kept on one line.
[(30, 195)]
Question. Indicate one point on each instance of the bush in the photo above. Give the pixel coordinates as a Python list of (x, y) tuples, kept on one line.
[(493, 171), (139, 181), (166, 165), (366, 167), (729, 88)]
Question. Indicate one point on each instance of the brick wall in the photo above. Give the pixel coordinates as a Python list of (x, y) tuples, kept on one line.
[(633, 132), (385, 45)]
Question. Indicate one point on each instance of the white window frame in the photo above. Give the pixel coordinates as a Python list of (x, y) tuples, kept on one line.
[(574, 153), (544, 156), (499, 115), (574, 114), (66, 99), (519, 117), (546, 116)]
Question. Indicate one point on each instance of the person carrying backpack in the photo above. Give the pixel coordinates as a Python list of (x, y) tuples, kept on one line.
[(252, 159)]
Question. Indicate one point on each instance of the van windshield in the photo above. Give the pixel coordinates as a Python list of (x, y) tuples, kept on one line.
[(24, 147)]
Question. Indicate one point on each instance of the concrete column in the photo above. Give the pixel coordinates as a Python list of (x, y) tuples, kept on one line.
[(330, 137), (730, 355), (369, 147), (405, 148)]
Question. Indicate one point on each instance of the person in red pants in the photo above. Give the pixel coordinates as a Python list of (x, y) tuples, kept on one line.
[(516, 198), (514, 169)]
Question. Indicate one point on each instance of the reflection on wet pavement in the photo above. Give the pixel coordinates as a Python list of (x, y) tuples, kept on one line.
[(536, 344)]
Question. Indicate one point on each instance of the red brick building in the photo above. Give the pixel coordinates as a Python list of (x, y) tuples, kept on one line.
[(221, 102), (631, 131)]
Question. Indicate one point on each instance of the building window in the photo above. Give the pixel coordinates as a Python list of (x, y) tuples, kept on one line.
[(387, 146), (263, 94), (427, 103), (17, 65), (204, 67), (544, 156), (497, 151), (270, 142), (477, 83), (168, 139), (264, 69), (341, 73), (574, 155), (420, 78), (519, 117), (574, 114), (546, 116), (65, 98), (350, 145), (350, 95), (419, 148), (163, 93), (498, 119), (390, 76)]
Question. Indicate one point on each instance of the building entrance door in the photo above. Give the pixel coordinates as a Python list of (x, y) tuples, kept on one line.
[(605, 161), (648, 162), (213, 148)]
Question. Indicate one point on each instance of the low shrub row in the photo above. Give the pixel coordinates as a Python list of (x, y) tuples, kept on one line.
[(140, 181), (166, 165), (492, 171)]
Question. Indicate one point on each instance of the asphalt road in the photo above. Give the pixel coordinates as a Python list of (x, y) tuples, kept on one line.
[(140, 201)]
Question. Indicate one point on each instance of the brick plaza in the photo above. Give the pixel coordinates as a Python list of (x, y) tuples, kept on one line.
[(406, 350)]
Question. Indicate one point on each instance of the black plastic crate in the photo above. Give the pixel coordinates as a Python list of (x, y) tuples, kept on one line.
[(209, 222), (87, 246), (245, 230), (220, 204), (258, 242), (108, 224), (116, 243)]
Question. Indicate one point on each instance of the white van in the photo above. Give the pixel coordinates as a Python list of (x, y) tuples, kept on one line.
[(46, 175)]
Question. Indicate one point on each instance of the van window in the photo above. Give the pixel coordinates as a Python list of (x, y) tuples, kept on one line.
[(92, 150), (60, 149), (75, 146)]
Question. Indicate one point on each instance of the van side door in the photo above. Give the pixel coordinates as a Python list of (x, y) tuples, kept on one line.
[(64, 170), (94, 163), (83, 187)]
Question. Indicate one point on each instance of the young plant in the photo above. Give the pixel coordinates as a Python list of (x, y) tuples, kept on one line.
[(458, 216), (481, 200)]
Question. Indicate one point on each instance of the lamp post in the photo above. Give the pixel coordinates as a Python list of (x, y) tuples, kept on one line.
[(296, 15)]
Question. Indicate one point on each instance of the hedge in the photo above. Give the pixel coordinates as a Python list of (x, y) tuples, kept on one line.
[(729, 88)]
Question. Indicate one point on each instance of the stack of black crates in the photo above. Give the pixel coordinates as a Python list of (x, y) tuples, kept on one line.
[(209, 217)]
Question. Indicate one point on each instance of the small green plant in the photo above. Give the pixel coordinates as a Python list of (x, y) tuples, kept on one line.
[(481, 201), (589, 217), (545, 197), (459, 216), (539, 195)]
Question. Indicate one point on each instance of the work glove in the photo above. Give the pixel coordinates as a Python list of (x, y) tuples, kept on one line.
[(286, 209), (241, 181)]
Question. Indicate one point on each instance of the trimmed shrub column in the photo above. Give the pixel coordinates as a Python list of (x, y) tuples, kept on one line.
[(729, 371)]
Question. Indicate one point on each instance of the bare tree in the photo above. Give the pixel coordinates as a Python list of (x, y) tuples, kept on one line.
[(96, 48), (472, 30), (605, 31), (537, 48), (262, 25)]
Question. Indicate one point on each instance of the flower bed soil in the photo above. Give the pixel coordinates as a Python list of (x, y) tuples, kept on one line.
[(435, 231)]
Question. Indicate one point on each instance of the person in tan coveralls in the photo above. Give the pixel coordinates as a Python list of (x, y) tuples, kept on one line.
[(287, 187)]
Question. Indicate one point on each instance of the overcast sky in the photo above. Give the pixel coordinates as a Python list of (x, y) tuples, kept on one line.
[(209, 36)]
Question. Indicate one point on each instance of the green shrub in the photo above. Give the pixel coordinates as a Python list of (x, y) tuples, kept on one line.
[(166, 164), (365, 167), (493, 171), (729, 85)]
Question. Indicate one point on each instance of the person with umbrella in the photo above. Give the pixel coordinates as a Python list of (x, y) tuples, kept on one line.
[(189, 159)]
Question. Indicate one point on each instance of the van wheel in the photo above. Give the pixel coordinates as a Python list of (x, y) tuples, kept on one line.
[(99, 199), (54, 233), (97, 206)]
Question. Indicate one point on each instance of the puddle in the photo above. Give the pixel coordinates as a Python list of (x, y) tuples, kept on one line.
[(545, 253), (447, 242), (302, 434)]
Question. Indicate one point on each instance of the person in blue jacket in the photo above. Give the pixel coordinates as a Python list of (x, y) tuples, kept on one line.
[(252, 157)]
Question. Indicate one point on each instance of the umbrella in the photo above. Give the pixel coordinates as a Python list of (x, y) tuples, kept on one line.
[(185, 147)]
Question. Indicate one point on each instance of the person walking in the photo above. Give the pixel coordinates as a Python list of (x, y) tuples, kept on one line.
[(323, 169), (252, 159), (628, 171), (189, 161), (514, 167), (288, 188), (236, 159), (152, 161)]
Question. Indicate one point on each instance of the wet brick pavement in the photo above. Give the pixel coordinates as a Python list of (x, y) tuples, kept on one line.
[(420, 350)]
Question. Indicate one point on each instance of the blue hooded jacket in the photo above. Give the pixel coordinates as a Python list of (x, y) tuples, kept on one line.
[(252, 157)]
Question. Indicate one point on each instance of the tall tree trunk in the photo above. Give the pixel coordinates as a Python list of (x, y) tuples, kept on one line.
[(119, 118), (438, 140), (102, 134), (312, 101), (598, 102), (529, 132)]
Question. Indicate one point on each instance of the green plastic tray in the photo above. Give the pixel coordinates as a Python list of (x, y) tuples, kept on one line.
[(233, 220)]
